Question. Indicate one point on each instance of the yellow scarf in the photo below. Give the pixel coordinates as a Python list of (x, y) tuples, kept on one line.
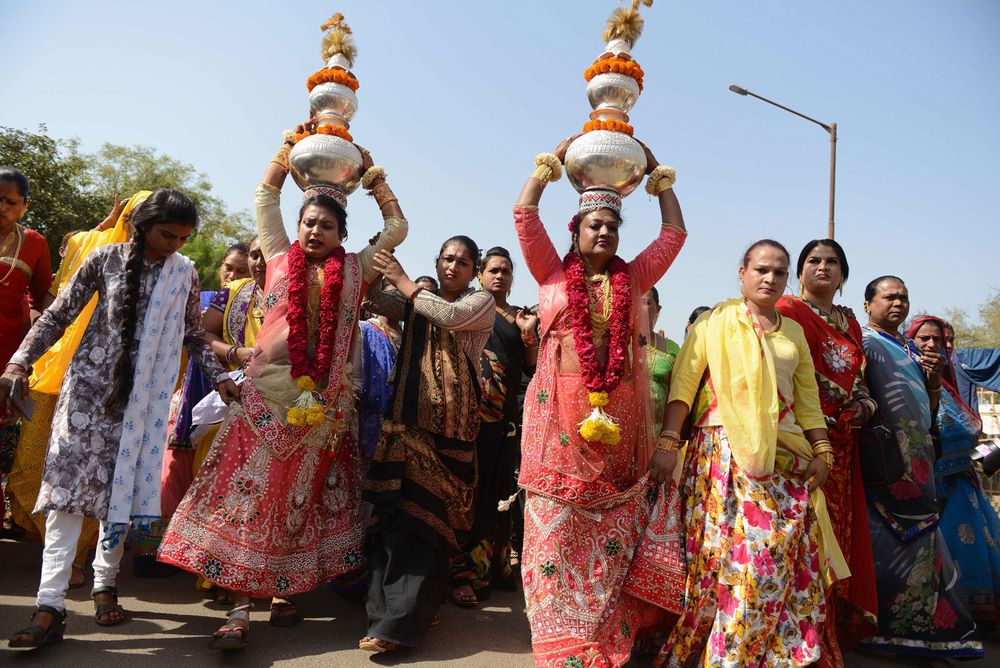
[(743, 377), (49, 371)]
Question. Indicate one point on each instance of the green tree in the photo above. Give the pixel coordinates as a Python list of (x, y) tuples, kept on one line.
[(60, 198), (977, 332), (127, 169), (71, 190)]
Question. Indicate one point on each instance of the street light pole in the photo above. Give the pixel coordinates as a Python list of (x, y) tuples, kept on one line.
[(831, 130)]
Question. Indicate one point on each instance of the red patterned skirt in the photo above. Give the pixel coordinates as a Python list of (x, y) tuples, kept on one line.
[(593, 577), (256, 524)]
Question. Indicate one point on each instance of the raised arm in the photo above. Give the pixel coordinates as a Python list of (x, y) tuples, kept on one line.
[(539, 253), (267, 205), (395, 226), (649, 266)]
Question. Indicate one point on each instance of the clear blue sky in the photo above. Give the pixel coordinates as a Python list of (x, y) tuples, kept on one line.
[(457, 97)]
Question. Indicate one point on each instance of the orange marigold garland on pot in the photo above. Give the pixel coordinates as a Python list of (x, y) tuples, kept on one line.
[(332, 75), (608, 124), (615, 64)]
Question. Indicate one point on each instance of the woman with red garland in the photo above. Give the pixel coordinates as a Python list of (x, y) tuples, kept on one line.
[(422, 480), (276, 507), (601, 550), (834, 338)]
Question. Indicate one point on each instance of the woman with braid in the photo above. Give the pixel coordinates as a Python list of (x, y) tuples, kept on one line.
[(107, 437)]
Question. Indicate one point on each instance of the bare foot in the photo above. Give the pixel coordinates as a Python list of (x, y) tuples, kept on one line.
[(79, 577)]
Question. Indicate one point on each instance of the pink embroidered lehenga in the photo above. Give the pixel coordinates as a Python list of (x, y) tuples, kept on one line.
[(276, 509), (601, 543)]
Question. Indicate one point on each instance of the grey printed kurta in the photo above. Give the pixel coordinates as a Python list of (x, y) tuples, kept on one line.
[(83, 446)]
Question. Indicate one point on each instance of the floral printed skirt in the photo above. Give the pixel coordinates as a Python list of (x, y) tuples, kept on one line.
[(263, 526), (753, 585)]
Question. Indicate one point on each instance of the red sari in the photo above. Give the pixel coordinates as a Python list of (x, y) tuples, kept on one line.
[(839, 360), (28, 278)]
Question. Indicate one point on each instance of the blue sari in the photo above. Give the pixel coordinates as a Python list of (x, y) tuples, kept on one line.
[(379, 356), (920, 607), (968, 521)]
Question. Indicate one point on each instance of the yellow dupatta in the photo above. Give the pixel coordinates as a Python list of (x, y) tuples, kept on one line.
[(743, 377), (50, 369)]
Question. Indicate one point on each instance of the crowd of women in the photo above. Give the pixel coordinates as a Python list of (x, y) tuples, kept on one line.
[(784, 486)]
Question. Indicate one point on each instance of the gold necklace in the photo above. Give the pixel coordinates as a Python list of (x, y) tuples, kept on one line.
[(600, 312), (7, 243)]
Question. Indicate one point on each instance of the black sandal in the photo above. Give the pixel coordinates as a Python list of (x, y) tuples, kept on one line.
[(107, 609), (41, 636), (284, 614), (231, 635)]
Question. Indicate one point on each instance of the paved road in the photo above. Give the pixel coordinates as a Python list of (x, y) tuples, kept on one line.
[(170, 623)]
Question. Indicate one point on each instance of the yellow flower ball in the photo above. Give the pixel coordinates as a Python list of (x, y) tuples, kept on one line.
[(598, 399), (296, 416), (592, 430), (305, 384), (314, 415), (612, 435)]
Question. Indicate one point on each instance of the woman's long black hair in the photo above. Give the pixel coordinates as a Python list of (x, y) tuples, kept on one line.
[(165, 205)]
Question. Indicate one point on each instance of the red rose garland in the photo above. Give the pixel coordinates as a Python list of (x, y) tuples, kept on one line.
[(599, 427), (298, 285), (583, 333)]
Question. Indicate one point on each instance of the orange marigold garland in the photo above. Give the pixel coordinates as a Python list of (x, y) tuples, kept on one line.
[(334, 130), (611, 125), (629, 68), (332, 75)]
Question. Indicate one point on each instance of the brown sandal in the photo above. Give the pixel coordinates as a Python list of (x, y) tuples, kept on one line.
[(284, 614), (369, 644)]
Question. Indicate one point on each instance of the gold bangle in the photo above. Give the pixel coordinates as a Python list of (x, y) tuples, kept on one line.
[(671, 434), (660, 179), (281, 156), (827, 458), (552, 162), (374, 173), (543, 173), (383, 194), (668, 444)]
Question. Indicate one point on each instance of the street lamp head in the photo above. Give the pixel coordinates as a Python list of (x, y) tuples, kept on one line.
[(738, 89)]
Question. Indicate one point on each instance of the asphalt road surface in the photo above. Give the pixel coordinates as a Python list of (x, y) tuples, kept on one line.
[(169, 623)]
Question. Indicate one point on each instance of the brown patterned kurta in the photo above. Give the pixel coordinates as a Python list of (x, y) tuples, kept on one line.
[(423, 473), (83, 446)]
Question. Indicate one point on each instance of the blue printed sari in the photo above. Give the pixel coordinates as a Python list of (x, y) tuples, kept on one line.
[(968, 521), (920, 607)]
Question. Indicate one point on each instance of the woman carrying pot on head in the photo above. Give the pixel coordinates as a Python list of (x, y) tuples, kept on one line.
[(834, 338), (105, 450), (422, 479), (275, 508), (760, 547), (921, 609), (589, 573), (511, 349)]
